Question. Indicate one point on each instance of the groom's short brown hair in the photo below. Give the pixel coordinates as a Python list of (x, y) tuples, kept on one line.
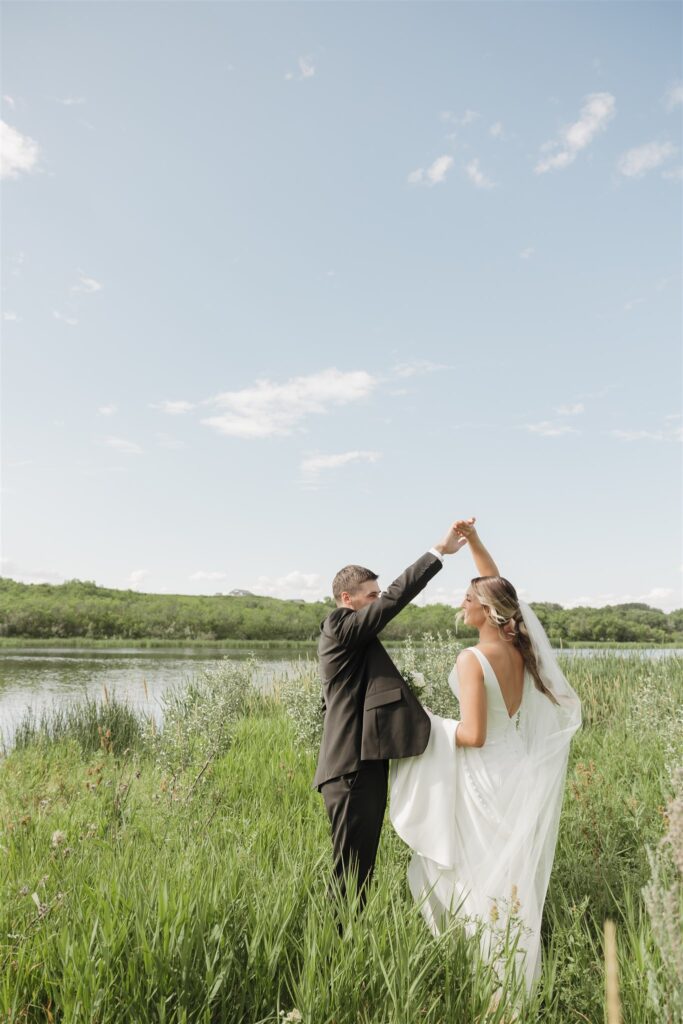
[(349, 579)]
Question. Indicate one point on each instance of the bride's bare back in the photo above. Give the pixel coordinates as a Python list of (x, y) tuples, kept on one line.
[(508, 666)]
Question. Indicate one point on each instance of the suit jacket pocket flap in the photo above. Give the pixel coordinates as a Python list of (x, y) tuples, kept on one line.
[(379, 697)]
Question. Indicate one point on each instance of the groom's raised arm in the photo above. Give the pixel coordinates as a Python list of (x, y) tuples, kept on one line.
[(352, 628)]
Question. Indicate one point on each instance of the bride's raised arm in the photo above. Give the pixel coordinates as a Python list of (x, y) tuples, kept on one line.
[(482, 559)]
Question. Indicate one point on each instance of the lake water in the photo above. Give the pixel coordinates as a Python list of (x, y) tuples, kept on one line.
[(39, 678)]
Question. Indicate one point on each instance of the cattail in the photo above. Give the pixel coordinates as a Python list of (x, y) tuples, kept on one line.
[(612, 974)]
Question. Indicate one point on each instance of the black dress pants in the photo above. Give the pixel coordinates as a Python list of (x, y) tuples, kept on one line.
[(355, 804)]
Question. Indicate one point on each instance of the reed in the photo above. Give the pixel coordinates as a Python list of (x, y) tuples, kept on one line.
[(180, 876)]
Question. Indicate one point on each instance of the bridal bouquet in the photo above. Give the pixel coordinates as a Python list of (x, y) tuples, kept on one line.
[(416, 683)]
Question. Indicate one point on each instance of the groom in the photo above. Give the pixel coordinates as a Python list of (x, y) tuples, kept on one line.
[(370, 712)]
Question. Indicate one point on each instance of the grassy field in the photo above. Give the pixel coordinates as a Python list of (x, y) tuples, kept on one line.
[(180, 876)]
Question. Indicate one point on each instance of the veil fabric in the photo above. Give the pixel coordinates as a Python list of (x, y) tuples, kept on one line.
[(483, 822)]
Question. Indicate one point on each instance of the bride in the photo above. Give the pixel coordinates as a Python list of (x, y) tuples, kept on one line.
[(480, 807)]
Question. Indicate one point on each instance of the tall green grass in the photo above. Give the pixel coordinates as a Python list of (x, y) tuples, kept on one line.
[(180, 876)]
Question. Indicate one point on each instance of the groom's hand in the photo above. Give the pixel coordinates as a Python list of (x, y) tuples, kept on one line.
[(452, 542)]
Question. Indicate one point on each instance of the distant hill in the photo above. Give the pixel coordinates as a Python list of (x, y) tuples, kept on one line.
[(82, 609)]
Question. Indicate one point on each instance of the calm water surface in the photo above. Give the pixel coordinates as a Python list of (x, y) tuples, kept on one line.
[(40, 678)]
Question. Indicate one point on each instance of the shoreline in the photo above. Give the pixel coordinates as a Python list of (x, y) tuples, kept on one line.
[(124, 643)]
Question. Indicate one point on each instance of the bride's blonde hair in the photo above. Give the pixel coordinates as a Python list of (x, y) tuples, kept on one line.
[(499, 600)]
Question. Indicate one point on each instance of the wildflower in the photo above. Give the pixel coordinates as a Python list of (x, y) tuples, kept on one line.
[(58, 838), (293, 1017)]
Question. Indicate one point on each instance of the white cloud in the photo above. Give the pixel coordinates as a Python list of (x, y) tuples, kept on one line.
[(268, 408), (548, 429), (435, 173), (316, 463), (674, 96), (638, 161), (571, 409), (496, 129), (137, 576), (477, 176), (660, 597), (9, 315), (598, 109), (452, 596), (167, 441), (674, 174), (418, 367), (108, 410), (72, 101), (306, 67), (65, 319), (23, 575), (176, 408), (18, 153), (306, 585), (9, 101), (460, 119), (527, 253), (123, 446), (306, 70), (86, 284), (202, 574), (671, 433)]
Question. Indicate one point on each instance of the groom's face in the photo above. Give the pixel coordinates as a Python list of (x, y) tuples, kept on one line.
[(365, 594)]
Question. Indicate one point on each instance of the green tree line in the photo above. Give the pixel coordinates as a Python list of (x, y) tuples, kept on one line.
[(82, 609)]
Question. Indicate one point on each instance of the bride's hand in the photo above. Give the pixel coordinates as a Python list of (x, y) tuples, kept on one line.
[(465, 528)]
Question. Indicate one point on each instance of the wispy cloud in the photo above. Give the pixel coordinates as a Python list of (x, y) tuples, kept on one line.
[(108, 410), (597, 111), (435, 174), (669, 433), (638, 161), (9, 100), (674, 96), (526, 254), (71, 101), (314, 465), (496, 130), (549, 429), (661, 597), (24, 575), (167, 441), (268, 408), (203, 574), (8, 314), (72, 321), (124, 447), (572, 409), (469, 117), (137, 576), (18, 153), (86, 284), (418, 367), (477, 176), (173, 408), (306, 70), (673, 174)]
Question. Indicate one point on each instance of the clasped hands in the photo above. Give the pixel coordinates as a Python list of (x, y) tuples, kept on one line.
[(458, 535)]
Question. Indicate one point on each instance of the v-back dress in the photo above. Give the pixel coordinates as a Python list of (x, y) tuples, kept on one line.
[(482, 821)]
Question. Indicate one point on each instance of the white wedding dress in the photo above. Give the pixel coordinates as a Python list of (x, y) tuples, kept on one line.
[(483, 821)]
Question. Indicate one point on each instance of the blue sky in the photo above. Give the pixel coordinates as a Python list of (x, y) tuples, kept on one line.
[(286, 286)]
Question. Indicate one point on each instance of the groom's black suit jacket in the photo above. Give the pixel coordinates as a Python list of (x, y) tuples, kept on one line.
[(370, 712)]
